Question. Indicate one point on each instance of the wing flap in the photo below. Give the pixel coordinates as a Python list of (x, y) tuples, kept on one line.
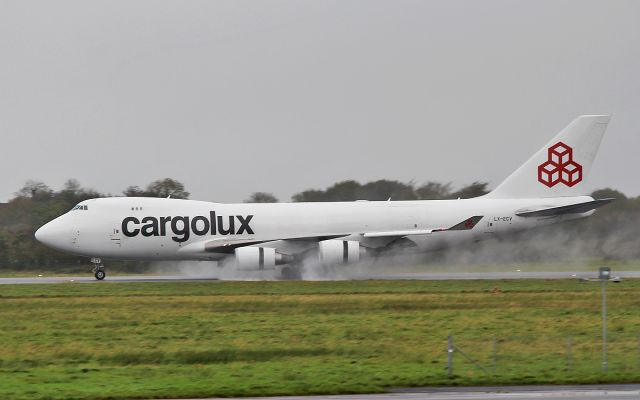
[(397, 233)]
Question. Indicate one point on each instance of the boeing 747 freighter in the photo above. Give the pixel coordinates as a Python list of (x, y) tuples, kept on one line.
[(547, 189)]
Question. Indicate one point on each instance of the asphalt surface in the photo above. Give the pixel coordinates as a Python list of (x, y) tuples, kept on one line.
[(591, 392), (501, 275), (90, 279), (399, 276)]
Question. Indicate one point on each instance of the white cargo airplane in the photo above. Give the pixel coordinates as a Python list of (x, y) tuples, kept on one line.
[(547, 189)]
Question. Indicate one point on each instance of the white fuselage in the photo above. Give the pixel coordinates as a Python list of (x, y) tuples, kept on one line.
[(168, 229)]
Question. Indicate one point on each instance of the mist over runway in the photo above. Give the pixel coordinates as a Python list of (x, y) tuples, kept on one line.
[(426, 276)]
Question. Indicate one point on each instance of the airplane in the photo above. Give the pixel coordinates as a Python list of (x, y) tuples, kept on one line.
[(546, 189)]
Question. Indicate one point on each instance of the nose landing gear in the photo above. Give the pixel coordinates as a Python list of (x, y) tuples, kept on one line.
[(98, 269)]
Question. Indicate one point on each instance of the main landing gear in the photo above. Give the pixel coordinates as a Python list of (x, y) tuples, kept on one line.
[(98, 269)]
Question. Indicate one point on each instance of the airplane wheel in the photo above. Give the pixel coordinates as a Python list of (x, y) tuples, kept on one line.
[(100, 274)]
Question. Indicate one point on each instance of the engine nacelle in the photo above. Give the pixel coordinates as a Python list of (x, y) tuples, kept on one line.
[(259, 258), (338, 252)]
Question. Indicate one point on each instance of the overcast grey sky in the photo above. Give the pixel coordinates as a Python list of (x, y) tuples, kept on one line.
[(232, 97)]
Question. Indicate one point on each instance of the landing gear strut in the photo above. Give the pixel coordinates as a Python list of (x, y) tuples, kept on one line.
[(98, 269)]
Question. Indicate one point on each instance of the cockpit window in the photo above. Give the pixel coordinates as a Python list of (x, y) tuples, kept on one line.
[(80, 207)]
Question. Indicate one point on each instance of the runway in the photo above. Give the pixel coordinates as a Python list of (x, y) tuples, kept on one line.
[(594, 392), (435, 276), (90, 279), (398, 276)]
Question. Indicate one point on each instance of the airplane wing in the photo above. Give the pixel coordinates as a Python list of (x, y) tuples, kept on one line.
[(570, 209), (467, 224), (228, 246)]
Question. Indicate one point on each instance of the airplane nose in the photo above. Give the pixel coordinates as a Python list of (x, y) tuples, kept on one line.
[(54, 234), (45, 233), (40, 234)]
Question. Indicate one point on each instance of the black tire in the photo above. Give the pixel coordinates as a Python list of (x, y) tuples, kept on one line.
[(100, 274)]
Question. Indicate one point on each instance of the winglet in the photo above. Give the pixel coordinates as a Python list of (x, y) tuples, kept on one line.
[(465, 225)]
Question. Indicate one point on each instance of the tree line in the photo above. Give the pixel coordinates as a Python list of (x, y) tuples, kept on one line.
[(611, 233), (380, 190), (36, 203)]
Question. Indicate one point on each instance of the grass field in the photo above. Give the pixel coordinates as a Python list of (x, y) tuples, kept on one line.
[(195, 339)]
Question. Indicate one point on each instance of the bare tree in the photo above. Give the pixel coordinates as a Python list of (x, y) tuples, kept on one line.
[(35, 189)]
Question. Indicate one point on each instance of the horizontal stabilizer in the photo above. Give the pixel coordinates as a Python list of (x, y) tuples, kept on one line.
[(570, 209)]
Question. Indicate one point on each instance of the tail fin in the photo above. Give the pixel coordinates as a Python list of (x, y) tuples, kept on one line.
[(561, 166)]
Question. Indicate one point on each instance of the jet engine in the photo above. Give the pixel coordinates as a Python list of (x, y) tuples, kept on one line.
[(338, 252), (259, 258)]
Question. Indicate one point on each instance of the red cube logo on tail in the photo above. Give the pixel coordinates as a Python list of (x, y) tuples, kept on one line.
[(560, 167)]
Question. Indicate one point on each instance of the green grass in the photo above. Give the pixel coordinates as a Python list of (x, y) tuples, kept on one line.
[(195, 339)]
